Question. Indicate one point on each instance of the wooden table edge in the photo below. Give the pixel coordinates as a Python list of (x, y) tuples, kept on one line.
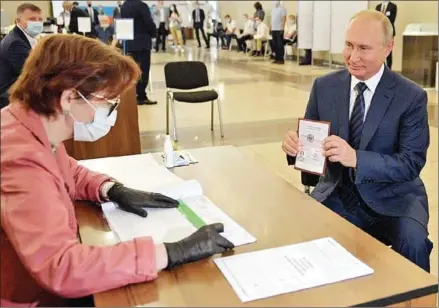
[(422, 293)]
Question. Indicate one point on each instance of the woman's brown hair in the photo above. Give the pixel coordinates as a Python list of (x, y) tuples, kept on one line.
[(63, 62)]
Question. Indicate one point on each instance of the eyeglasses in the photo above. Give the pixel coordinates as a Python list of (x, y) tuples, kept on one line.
[(113, 102)]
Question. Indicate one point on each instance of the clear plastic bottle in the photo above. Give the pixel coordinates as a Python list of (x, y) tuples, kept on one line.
[(168, 152)]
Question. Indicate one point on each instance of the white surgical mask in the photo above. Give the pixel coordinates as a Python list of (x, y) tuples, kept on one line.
[(97, 129)]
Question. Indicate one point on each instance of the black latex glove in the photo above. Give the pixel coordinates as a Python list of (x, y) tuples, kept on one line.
[(134, 201), (202, 244)]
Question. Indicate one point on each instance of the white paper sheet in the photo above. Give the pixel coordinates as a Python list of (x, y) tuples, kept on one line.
[(84, 24), (271, 272), (124, 29)]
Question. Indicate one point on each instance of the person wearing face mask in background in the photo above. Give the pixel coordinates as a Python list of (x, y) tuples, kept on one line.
[(247, 33), (105, 31), (16, 45), (290, 32), (93, 14), (278, 19), (64, 92), (389, 9)]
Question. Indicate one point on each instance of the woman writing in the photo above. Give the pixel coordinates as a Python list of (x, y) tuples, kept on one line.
[(70, 87)]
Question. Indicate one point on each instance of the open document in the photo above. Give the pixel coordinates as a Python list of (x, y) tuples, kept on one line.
[(291, 268), (163, 225)]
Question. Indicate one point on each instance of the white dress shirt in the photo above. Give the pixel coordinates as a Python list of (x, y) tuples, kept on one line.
[(32, 41), (231, 26), (249, 27), (371, 84), (262, 32), (91, 12), (162, 14)]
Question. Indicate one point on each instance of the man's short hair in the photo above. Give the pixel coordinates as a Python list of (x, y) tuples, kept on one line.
[(76, 3), (27, 6), (227, 16), (380, 17)]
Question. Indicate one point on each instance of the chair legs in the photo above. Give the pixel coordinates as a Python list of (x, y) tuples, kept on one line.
[(170, 100), (174, 119), (167, 112), (220, 115), (211, 115)]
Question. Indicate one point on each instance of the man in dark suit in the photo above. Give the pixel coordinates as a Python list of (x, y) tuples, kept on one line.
[(93, 13), (198, 17), (389, 9), (75, 12), (378, 142), (116, 10), (140, 47), (15, 47)]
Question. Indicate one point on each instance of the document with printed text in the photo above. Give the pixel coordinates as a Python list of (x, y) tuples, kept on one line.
[(276, 271), (312, 134)]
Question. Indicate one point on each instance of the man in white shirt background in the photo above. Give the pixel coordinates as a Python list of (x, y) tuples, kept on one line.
[(16, 46), (230, 31), (247, 34), (161, 19)]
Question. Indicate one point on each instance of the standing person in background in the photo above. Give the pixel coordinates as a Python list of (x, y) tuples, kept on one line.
[(100, 10), (140, 47), (198, 16), (93, 13), (65, 14), (278, 18), (259, 12), (175, 28), (16, 46), (161, 16), (116, 11), (389, 9), (247, 34), (74, 14)]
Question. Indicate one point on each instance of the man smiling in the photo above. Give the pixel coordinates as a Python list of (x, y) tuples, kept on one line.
[(378, 143)]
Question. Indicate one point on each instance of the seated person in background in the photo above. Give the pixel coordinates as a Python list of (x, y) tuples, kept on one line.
[(16, 45), (378, 143), (247, 34), (70, 87), (217, 31), (290, 32), (230, 32), (105, 31), (262, 34)]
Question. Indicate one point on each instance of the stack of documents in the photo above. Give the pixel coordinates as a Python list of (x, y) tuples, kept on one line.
[(163, 225), (291, 268)]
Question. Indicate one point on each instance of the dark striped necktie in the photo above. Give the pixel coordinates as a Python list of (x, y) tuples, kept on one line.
[(357, 117)]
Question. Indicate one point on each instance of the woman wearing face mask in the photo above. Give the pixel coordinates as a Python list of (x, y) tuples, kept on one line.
[(70, 87), (290, 32), (175, 27)]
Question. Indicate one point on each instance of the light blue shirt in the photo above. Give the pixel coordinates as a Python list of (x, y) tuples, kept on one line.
[(276, 18)]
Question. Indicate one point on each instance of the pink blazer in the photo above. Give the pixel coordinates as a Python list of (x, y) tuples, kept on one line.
[(42, 260)]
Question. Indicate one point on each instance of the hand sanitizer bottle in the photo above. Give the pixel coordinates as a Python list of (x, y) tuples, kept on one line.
[(169, 152)]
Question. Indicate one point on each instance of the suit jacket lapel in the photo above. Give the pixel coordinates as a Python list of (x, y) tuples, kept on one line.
[(20, 33), (380, 102), (342, 99)]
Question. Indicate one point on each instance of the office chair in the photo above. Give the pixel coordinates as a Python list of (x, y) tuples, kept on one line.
[(309, 180), (189, 75)]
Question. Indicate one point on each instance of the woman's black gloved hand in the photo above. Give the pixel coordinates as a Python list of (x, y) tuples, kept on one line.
[(134, 201), (202, 244)]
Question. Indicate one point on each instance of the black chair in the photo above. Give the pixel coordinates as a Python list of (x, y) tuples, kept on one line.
[(189, 75), (309, 180)]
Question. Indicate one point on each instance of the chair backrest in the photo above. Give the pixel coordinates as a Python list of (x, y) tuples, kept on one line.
[(186, 75), (309, 179)]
